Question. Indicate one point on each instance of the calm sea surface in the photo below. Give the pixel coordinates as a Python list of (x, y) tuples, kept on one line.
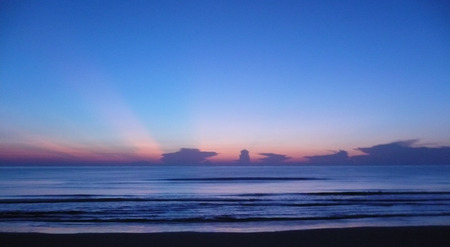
[(220, 198)]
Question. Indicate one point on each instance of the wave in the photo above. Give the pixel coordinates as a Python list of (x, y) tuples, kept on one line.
[(368, 193), (234, 201), (71, 200), (349, 193), (76, 217), (81, 200), (354, 197), (212, 179)]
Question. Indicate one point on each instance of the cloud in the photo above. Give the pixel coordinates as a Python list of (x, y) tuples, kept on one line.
[(244, 157), (187, 156), (403, 153), (274, 158), (337, 158)]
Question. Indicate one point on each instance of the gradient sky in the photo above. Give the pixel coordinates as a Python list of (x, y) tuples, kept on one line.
[(131, 80)]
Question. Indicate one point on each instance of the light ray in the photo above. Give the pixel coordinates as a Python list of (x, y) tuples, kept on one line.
[(117, 115)]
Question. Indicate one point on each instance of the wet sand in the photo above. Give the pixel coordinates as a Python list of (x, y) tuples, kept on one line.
[(363, 236)]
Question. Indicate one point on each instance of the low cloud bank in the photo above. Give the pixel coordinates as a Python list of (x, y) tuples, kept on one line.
[(337, 158), (395, 153), (273, 158), (403, 153), (188, 156)]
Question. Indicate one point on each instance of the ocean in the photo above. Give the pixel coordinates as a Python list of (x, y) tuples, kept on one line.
[(220, 198)]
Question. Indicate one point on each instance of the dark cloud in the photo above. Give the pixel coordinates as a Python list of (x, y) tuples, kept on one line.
[(244, 157), (274, 158), (403, 153), (187, 156), (337, 158)]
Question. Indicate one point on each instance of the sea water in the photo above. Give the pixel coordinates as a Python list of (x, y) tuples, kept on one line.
[(220, 198)]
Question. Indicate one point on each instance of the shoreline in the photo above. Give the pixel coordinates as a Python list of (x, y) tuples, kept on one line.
[(357, 236)]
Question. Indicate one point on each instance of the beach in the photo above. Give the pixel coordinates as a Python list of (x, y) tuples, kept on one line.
[(361, 236)]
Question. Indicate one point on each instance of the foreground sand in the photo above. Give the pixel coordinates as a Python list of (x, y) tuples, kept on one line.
[(366, 236)]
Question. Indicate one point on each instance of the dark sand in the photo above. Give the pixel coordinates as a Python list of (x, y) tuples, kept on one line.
[(364, 236)]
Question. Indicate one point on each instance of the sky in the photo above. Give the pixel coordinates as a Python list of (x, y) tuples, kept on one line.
[(129, 81)]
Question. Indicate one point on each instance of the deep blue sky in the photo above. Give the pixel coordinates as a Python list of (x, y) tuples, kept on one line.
[(130, 80)]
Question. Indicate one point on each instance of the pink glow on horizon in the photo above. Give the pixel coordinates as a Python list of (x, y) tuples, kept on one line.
[(31, 147)]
